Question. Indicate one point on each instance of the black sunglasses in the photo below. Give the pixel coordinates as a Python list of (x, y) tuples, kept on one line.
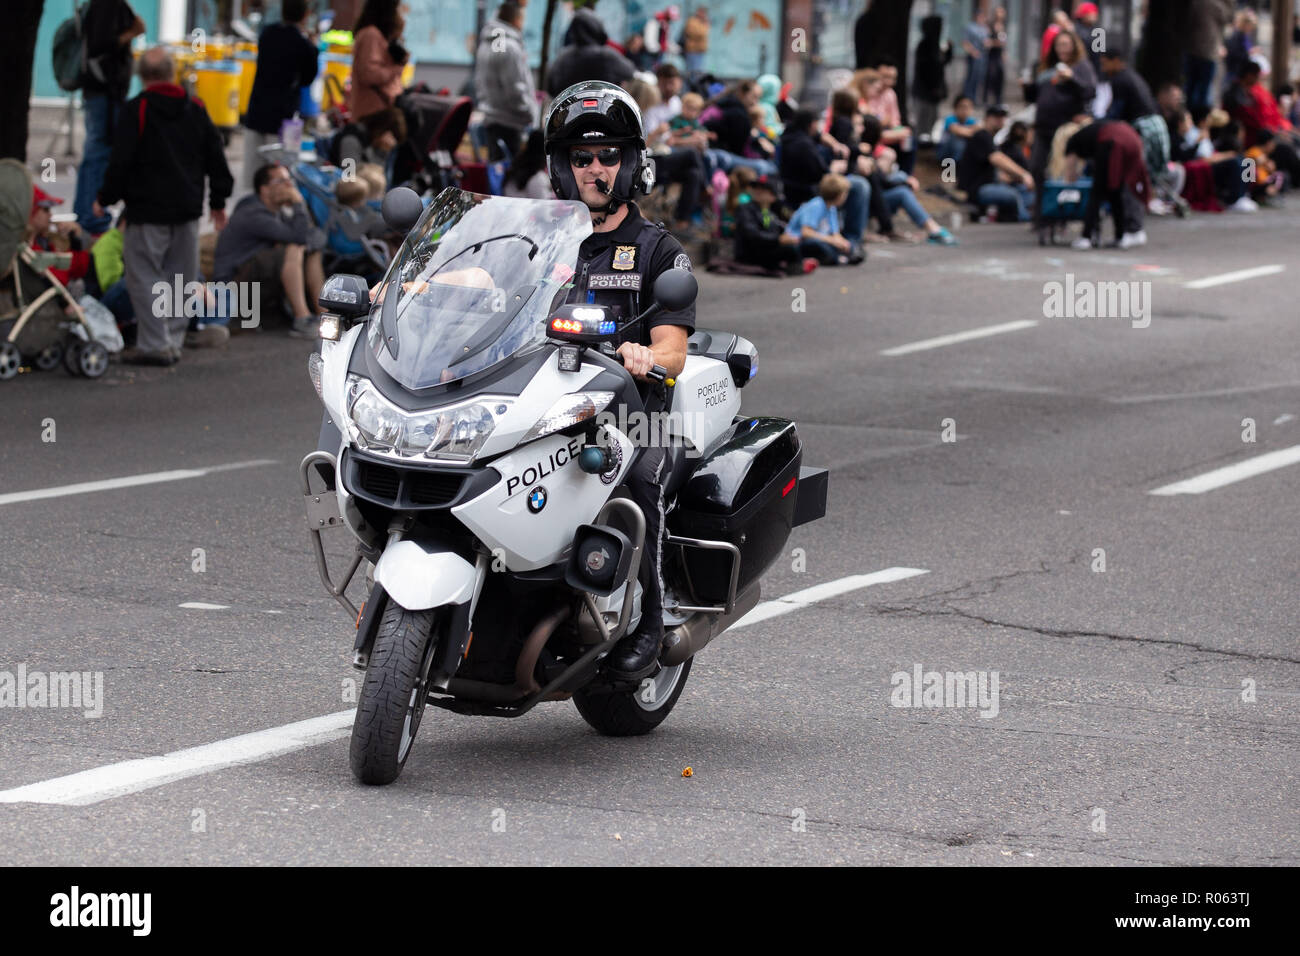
[(609, 156)]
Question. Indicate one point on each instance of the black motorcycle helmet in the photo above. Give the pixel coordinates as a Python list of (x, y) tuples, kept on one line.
[(601, 114)]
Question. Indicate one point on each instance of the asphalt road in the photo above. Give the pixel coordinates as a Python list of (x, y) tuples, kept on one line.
[(1121, 734)]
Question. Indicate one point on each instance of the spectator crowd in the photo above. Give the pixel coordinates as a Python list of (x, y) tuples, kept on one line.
[(770, 185)]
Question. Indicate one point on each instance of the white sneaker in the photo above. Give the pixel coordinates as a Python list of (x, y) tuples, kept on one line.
[(1158, 207), (1244, 204), (1081, 243), (1131, 239)]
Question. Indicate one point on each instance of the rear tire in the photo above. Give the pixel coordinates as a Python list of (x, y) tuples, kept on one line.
[(631, 713), (392, 695)]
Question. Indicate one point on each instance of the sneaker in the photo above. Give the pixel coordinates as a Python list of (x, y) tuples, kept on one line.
[(942, 238), (305, 327), (1158, 207), (207, 337), (1132, 239), (161, 357), (1244, 204), (810, 264), (1083, 242)]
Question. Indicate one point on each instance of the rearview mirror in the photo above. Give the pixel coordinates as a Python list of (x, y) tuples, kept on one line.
[(675, 290), (402, 209)]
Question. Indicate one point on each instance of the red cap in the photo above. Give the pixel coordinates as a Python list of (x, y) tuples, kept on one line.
[(1084, 9), (42, 199)]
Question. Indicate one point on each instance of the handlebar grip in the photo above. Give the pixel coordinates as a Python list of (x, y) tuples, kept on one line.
[(657, 373)]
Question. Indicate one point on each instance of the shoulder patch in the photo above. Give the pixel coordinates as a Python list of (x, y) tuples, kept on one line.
[(683, 261)]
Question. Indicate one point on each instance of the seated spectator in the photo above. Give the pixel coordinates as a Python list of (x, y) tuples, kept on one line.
[(1119, 177), (728, 122), (884, 104), (1019, 142), (353, 195), (846, 127), (678, 145), (815, 225), (900, 193), (761, 238), (1251, 104), (669, 80), (527, 178), (369, 140), (64, 237), (372, 174), (803, 168), (266, 241), (762, 141), (990, 177), (738, 183), (958, 127)]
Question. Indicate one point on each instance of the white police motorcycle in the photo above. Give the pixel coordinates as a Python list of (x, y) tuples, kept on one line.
[(475, 435)]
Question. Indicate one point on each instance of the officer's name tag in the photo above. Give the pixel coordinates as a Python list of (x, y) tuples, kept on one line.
[(615, 280)]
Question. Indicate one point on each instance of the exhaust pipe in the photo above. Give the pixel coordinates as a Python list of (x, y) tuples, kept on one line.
[(689, 638)]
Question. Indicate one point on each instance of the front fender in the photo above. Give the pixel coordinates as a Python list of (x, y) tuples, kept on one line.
[(419, 575)]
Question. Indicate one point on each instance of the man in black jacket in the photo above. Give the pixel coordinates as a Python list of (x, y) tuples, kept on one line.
[(164, 150), (286, 62), (587, 56), (108, 26)]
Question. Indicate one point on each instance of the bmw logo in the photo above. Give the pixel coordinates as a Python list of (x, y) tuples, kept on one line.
[(537, 499)]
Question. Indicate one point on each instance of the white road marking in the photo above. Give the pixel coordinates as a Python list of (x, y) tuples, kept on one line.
[(1239, 276), (130, 481), (1232, 473), (956, 337), (132, 776), (820, 592), (200, 606)]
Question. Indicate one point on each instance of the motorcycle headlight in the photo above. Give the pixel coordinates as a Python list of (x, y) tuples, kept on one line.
[(451, 433), (569, 410)]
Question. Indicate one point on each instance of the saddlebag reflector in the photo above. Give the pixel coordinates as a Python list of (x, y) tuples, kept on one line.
[(810, 503)]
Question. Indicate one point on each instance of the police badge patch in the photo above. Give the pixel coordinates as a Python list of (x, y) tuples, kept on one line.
[(624, 257), (683, 261)]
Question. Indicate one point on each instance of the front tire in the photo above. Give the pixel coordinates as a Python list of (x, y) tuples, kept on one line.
[(393, 695), (631, 713)]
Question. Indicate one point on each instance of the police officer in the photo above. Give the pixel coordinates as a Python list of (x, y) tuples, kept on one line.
[(596, 153)]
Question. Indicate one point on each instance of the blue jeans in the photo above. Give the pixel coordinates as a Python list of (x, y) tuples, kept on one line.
[(725, 161), (101, 113), (1006, 196), (975, 72), (896, 196), (694, 62), (950, 147), (854, 211), (118, 301), (1200, 81)]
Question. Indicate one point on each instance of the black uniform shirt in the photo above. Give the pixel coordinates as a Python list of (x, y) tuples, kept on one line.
[(620, 270)]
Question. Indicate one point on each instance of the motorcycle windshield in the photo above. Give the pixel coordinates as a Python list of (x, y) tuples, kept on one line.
[(474, 284)]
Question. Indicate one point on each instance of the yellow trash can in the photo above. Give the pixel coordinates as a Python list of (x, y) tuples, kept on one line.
[(217, 85)]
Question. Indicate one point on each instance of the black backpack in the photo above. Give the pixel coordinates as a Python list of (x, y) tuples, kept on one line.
[(70, 64)]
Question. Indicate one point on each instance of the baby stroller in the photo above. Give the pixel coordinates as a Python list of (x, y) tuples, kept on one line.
[(348, 248), (1063, 202), (40, 322), (435, 125)]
